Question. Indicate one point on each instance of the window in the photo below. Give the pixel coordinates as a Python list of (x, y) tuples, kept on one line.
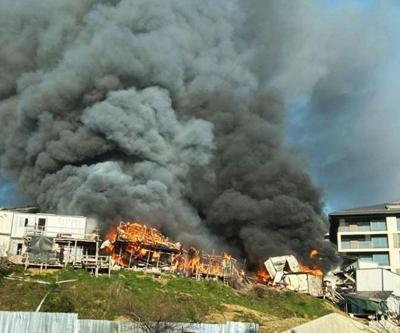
[(378, 225), (364, 243), (19, 248), (363, 226), (355, 242), (379, 242), (345, 243), (398, 223), (382, 259), (365, 257), (41, 223), (26, 222)]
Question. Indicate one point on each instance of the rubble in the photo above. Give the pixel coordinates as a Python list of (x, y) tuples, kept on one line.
[(134, 245), (287, 273)]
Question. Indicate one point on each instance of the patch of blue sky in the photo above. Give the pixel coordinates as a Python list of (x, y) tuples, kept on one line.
[(334, 3), (10, 196)]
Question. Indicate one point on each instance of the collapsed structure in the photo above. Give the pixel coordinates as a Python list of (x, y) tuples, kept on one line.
[(134, 245), (286, 272)]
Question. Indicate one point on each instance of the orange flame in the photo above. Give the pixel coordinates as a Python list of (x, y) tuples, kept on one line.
[(311, 270), (135, 242), (262, 275), (314, 270), (314, 253)]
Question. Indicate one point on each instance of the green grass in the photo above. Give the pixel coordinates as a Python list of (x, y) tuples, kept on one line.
[(178, 298)]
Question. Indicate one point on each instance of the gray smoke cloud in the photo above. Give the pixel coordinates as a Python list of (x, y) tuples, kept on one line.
[(176, 113), (336, 67)]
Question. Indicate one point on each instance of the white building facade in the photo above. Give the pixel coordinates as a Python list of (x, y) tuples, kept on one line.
[(371, 234), (15, 225)]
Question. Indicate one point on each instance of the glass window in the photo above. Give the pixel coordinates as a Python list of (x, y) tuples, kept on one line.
[(41, 224), (379, 241), (398, 223), (365, 257), (363, 226), (364, 244), (345, 243), (381, 258), (378, 225)]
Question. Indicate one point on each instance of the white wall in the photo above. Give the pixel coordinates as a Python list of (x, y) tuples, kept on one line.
[(6, 222), (18, 225), (377, 279), (369, 279), (13, 249), (391, 281), (14, 225), (74, 226), (4, 245), (69, 225)]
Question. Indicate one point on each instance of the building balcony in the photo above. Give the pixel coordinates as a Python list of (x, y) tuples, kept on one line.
[(367, 232), (370, 249)]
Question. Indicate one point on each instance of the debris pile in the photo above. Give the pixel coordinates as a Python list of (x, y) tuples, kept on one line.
[(286, 272), (134, 245)]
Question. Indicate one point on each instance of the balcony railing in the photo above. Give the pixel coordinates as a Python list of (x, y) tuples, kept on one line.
[(363, 227), (29, 232), (362, 245)]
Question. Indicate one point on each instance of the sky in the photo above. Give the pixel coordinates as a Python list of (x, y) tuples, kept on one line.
[(348, 126), (346, 120)]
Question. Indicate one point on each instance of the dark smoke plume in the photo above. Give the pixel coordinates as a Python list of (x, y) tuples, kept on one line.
[(164, 111)]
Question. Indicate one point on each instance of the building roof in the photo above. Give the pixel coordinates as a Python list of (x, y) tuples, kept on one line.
[(27, 209), (386, 208), (35, 210)]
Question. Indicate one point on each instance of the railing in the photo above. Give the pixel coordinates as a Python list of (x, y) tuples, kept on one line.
[(362, 246), (37, 232), (362, 228)]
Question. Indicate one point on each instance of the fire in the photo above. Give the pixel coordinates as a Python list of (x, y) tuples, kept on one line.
[(135, 244), (262, 275), (112, 234), (313, 253), (315, 270)]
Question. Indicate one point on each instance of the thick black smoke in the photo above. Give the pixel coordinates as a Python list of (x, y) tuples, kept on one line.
[(164, 111)]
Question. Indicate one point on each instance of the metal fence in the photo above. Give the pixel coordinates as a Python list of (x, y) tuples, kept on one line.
[(40, 322)]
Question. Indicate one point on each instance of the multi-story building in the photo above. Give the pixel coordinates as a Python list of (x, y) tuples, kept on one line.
[(371, 234), (18, 226)]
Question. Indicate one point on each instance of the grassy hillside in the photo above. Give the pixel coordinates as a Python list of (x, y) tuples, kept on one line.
[(170, 298)]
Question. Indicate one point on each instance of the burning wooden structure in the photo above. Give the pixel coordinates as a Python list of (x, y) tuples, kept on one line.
[(134, 245)]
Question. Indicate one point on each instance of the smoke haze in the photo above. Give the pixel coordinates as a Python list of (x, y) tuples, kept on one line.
[(176, 113)]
